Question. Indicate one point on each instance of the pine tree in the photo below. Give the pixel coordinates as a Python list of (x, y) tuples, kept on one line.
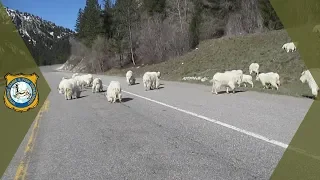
[(107, 19), (270, 18), (126, 17), (194, 26), (78, 22), (91, 21), (154, 6)]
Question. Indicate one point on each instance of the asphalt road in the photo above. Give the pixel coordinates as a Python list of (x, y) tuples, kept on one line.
[(180, 131)]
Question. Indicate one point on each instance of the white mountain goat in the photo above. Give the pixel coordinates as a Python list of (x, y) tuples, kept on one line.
[(227, 79), (88, 78), (74, 75), (155, 77), (69, 88), (61, 86), (269, 78), (316, 29), (238, 73), (80, 81), (97, 85), (247, 79), (254, 67), (130, 78), (306, 76), (114, 92), (290, 47), (151, 80), (146, 79)]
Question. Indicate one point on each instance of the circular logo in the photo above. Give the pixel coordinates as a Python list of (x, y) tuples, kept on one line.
[(21, 92)]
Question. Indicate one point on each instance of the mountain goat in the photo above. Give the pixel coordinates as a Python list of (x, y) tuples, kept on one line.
[(254, 67), (97, 85), (238, 73), (269, 78), (130, 78), (247, 79), (151, 80), (69, 87), (306, 76), (228, 79), (80, 81), (114, 92), (88, 78), (316, 29), (74, 75), (289, 47)]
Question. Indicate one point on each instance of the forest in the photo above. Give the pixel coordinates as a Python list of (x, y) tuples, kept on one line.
[(131, 32)]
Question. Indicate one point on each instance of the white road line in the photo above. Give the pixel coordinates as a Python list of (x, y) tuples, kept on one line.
[(215, 121)]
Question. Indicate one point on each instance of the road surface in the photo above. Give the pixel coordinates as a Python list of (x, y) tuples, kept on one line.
[(180, 131)]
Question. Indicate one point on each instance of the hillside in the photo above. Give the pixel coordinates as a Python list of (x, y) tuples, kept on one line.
[(47, 42), (236, 52)]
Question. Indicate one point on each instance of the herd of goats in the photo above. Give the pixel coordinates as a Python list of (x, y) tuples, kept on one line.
[(73, 86), (151, 80)]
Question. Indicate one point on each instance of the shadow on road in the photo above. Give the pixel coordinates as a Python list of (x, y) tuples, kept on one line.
[(133, 84), (310, 97), (126, 99), (230, 92), (82, 96)]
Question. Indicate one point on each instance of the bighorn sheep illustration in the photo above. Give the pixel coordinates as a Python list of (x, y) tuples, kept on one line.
[(21, 93)]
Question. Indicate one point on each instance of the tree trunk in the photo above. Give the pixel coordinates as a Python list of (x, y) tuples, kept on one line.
[(185, 9), (130, 38), (178, 7), (131, 48)]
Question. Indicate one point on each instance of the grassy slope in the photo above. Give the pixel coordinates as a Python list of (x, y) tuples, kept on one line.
[(236, 53)]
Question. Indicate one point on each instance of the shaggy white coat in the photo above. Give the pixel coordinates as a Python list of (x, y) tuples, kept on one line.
[(306, 76), (254, 67), (130, 78), (88, 78), (226, 79), (151, 80), (74, 75), (269, 78), (238, 73), (289, 47), (316, 29), (114, 92), (97, 85), (247, 79), (80, 81), (69, 88)]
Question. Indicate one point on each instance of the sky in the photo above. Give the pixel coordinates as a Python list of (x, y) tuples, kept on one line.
[(61, 12)]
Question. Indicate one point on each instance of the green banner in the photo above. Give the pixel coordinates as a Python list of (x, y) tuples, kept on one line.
[(16, 118), (301, 19)]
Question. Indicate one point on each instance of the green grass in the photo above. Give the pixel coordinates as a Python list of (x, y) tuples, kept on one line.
[(230, 53)]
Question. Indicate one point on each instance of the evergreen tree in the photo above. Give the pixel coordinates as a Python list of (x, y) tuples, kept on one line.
[(154, 6), (194, 26), (78, 22), (107, 19), (91, 21), (126, 16), (270, 18)]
